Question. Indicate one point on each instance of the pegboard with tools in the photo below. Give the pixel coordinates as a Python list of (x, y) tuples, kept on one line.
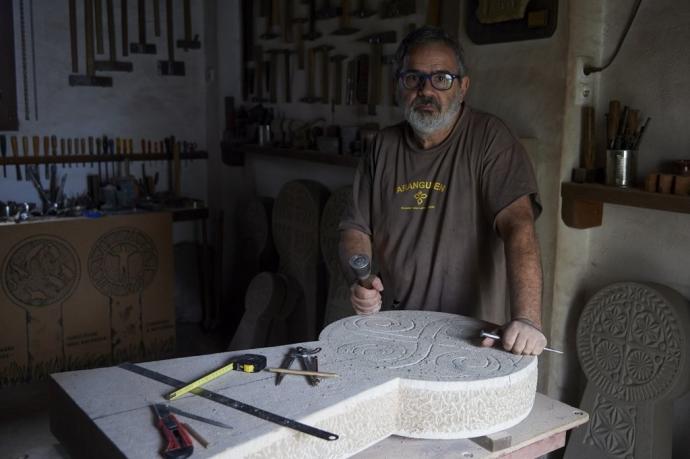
[(98, 20), (330, 54)]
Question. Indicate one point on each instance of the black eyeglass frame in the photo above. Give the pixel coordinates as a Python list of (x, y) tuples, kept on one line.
[(426, 76)]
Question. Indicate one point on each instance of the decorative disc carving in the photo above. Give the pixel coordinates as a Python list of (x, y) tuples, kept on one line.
[(629, 342), (40, 270), (420, 345), (123, 261)]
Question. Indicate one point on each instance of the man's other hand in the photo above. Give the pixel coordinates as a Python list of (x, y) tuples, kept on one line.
[(520, 338), (365, 300)]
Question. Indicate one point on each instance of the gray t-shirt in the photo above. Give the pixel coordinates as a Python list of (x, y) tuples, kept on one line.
[(431, 214)]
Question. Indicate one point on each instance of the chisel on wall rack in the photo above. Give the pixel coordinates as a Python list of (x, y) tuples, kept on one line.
[(344, 27), (15, 154), (377, 41), (337, 78), (273, 76), (325, 76), (310, 96)]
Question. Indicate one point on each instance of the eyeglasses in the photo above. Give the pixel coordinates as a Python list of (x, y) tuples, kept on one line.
[(413, 79)]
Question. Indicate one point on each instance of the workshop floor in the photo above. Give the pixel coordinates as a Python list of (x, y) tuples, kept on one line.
[(24, 427)]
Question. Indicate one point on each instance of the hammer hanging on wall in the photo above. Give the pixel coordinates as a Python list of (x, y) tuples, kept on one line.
[(112, 64), (376, 41), (170, 67), (74, 50), (188, 42), (98, 10), (125, 28), (142, 47), (90, 78)]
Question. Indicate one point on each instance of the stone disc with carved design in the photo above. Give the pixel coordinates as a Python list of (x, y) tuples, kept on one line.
[(632, 341), (123, 261), (40, 270)]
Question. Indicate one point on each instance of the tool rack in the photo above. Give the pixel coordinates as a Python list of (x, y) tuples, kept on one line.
[(298, 153), (109, 158)]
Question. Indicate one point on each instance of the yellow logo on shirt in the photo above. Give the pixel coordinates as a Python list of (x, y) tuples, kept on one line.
[(421, 185), (420, 196)]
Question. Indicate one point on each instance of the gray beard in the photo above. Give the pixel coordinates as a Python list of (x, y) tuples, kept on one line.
[(427, 124)]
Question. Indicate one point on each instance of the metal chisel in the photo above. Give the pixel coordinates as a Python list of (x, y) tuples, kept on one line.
[(25, 150), (36, 141), (15, 153), (484, 334), (196, 417), (46, 154)]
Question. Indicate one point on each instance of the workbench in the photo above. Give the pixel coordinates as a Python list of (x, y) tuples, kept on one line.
[(107, 412)]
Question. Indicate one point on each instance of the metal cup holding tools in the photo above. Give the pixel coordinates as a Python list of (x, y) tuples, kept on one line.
[(621, 167)]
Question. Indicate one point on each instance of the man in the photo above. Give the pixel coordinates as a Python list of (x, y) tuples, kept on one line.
[(446, 203)]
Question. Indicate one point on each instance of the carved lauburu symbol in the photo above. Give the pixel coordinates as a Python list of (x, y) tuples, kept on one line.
[(122, 262), (414, 343), (40, 271), (420, 196)]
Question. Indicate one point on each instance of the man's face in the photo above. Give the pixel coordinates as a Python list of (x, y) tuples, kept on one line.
[(426, 108)]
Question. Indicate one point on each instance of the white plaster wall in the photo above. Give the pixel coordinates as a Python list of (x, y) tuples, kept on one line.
[(650, 73), (140, 104), (524, 84)]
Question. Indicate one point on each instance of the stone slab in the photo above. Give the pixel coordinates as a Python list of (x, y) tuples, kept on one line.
[(409, 373), (633, 345)]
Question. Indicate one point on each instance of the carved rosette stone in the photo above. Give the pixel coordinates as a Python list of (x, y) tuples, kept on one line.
[(632, 342), (629, 342), (612, 428)]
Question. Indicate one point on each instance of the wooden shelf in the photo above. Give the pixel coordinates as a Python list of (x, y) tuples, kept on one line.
[(103, 158), (583, 202), (305, 155)]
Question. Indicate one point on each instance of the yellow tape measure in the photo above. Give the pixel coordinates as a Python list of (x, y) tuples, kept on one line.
[(248, 363)]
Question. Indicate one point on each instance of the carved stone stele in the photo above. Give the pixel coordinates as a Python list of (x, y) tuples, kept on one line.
[(633, 345), (338, 302), (296, 220)]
